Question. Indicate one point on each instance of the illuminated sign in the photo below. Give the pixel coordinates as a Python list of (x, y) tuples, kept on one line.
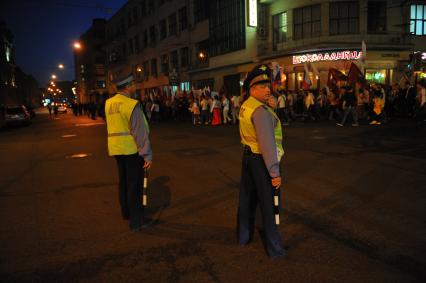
[(252, 13), (327, 56)]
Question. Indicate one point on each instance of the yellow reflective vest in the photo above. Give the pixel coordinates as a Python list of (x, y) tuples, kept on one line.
[(118, 110), (248, 132)]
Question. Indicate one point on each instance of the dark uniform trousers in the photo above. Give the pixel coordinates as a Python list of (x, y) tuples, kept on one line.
[(256, 187), (130, 173)]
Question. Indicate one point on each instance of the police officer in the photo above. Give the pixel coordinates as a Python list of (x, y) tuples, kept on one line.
[(129, 143), (261, 135)]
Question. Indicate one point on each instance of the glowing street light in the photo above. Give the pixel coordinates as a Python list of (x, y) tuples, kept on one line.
[(53, 76), (77, 45), (202, 55), (61, 66)]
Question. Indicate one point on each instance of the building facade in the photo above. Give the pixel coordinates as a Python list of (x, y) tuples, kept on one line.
[(89, 62), (198, 43), (16, 87), (329, 34)]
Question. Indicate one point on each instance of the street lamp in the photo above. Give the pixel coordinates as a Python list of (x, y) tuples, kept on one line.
[(77, 45), (202, 55), (53, 76), (61, 66)]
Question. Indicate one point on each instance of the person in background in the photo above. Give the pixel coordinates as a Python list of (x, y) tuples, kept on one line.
[(377, 106), (215, 110), (155, 111), (349, 107), (282, 113), (235, 101), (225, 104)]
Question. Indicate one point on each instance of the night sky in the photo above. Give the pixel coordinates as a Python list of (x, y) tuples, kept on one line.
[(44, 31)]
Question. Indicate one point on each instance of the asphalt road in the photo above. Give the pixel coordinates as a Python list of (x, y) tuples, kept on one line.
[(353, 206)]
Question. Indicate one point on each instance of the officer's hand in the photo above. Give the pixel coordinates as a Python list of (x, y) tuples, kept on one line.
[(276, 182), (147, 164)]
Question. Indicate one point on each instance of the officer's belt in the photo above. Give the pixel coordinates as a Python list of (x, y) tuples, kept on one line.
[(119, 134), (247, 151)]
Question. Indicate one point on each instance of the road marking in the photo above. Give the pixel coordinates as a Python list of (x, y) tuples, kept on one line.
[(68, 136), (90, 124), (78, 155), (318, 138)]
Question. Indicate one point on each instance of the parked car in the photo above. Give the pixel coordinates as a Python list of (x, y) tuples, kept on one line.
[(16, 115), (62, 108)]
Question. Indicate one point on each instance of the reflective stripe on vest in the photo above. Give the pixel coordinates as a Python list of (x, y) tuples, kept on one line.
[(118, 110), (248, 132), (119, 134)]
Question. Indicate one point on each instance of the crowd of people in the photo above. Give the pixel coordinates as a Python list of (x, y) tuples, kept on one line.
[(373, 104)]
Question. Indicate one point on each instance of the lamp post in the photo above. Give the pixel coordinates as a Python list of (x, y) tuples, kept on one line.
[(78, 47)]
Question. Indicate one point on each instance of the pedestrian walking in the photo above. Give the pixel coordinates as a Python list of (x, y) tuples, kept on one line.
[(282, 112), (235, 101), (349, 107), (128, 142), (215, 111), (261, 135), (49, 107), (225, 105)]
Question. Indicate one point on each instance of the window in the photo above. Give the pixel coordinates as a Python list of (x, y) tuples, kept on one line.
[(145, 38), (165, 63), (151, 7), (227, 27), (135, 15), (418, 19), (201, 10), (184, 57), (152, 36), (154, 67), (307, 22), (146, 69), (376, 18), (174, 58), (8, 53), (183, 18), (124, 50), (131, 49), (344, 17), (100, 84), (172, 24), (163, 29), (143, 8), (137, 44), (122, 25), (279, 29), (99, 60)]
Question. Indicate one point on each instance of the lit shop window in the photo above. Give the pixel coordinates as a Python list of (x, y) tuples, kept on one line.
[(376, 76), (418, 19)]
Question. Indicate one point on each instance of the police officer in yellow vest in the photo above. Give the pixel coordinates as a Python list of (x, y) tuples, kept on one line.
[(261, 136), (128, 142)]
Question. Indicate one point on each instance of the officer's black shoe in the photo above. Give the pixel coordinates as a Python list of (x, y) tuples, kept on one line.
[(135, 229), (147, 222), (125, 215), (282, 254)]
